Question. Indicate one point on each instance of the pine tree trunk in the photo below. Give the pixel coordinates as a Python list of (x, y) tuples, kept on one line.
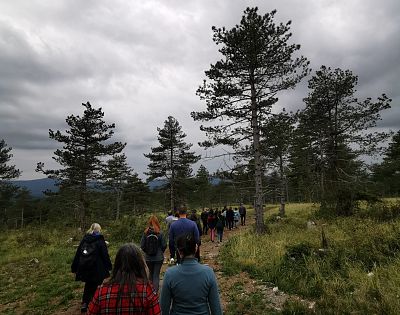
[(282, 188), (171, 195), (119, 193), (258, 206), (82, 216)]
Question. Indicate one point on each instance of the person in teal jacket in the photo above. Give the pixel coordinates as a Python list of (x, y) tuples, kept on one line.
[(189, 288)]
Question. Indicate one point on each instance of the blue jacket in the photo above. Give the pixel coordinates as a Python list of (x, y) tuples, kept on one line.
[(190, 288), (180, 227)]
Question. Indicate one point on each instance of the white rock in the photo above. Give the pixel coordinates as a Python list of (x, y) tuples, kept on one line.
[(275, 289)]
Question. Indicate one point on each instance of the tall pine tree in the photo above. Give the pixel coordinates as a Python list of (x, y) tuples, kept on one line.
[(172, 159), (115, 176), (258, 62), (6, 171), (339, 129), (85, 145)]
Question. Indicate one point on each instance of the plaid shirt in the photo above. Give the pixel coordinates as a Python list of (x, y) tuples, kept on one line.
[(144, 300)]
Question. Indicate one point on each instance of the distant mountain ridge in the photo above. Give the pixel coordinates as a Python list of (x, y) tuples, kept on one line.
[(38, 186)]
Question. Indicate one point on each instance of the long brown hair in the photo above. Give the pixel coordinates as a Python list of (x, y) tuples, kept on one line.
[(129, 268), (153, 224)]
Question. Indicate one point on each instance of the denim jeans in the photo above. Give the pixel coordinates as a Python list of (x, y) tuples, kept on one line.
[(154, 271)]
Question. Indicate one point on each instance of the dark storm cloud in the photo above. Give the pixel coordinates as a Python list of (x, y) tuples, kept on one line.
[(142, 61)]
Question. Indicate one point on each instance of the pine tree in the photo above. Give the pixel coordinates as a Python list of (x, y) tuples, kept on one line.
[(338, 128), (388, 172), (258, 63), (7, 171), (276, 136), (115, 175), (136, 193), (203, 185), (85, 145), (172, 158)]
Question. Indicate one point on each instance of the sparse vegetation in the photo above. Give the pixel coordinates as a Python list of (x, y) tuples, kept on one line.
[(357, 272)]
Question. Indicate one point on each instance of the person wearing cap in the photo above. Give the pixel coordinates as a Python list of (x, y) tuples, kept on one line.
[(182, 226)]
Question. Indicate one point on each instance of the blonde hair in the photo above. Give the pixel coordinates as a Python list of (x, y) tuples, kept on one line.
[(95, 227)]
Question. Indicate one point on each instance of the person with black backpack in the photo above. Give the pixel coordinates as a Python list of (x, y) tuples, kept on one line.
[(91, 263), (153, 243)]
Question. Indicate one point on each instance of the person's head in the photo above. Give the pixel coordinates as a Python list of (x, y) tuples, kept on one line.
[(95, 228), (182, 212), (169, 213), (154, 224), (186, 245), (129, 266)]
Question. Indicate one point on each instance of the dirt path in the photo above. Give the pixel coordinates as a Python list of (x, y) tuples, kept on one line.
[(273, 297)]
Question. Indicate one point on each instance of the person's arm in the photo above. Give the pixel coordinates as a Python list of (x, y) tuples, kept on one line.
[(75, 262), (196, 233), (172, 241), (142, 241), (213, 297), (94, 305), (163, 242), (152, 305), (104, 255), (165, 299)]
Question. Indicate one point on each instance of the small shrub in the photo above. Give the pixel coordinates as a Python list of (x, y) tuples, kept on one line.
[(295, 307), (298, 252)]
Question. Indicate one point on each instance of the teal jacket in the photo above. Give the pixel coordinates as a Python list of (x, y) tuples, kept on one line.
[(190, 288)]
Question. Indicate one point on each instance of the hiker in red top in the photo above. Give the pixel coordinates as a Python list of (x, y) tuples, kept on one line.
[(129, 290)]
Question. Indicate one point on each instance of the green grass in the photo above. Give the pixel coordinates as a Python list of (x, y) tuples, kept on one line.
[(43, 287), (337, 279)]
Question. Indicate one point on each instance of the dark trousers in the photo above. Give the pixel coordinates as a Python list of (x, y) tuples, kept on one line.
[(243, 219), (88, 292), (205, 227), (154, 270), (220, 233), (230, 224)]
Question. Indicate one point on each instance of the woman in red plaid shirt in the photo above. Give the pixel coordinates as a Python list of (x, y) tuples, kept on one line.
[(129, 290)]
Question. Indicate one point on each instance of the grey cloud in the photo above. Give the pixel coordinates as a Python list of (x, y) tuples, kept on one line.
[(143, 60)]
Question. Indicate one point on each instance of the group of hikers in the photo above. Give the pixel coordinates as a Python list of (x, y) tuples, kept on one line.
[(133, 287)]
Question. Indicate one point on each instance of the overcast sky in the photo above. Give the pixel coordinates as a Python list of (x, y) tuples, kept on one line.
[(142, 61)]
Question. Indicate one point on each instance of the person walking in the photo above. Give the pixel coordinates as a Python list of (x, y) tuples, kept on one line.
[(219, 226), (204, 217), (189, 288), (193, 216), (129, 290), (211, 221), (153, 243), (182, 226), (169, 219), (91, 263), (230, 217), (242, 212)]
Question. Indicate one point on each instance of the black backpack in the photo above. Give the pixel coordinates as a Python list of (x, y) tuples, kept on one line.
[(88, 256), (151, 243)]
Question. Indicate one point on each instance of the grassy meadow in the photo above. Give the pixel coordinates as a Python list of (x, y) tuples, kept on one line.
[(358, 272), (35, 265)]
